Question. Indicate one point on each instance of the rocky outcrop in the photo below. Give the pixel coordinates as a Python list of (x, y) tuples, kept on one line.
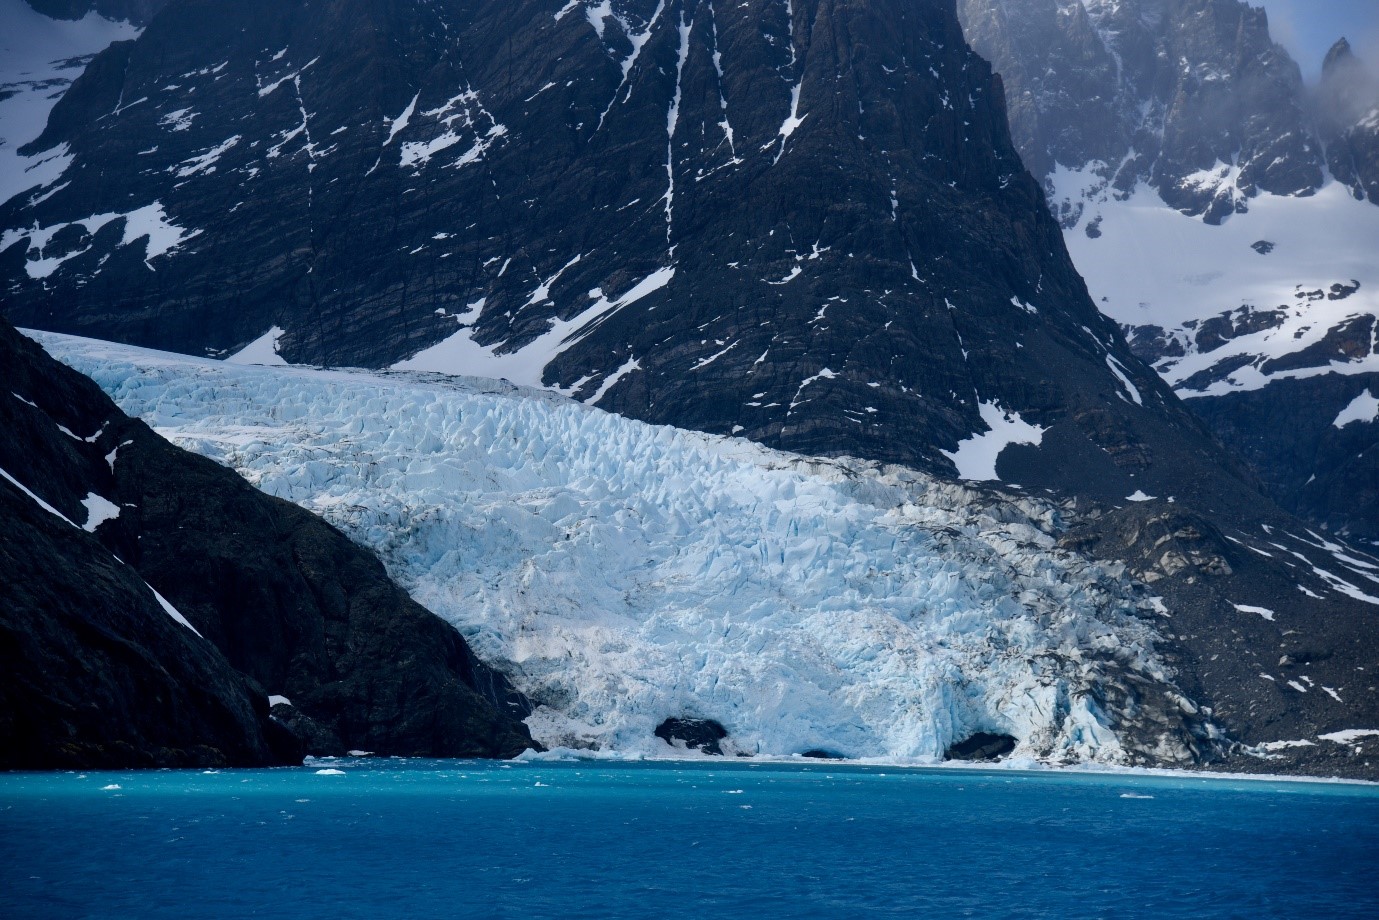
[(276, 601), (97, 674), (981, 746), (1348, 120), (1191, 96), (138, 12), (1191, 102), (703, 735)]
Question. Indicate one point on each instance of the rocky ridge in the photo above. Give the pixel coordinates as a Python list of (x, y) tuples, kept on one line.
[(150, 597), (802, 223), (1133, 110)]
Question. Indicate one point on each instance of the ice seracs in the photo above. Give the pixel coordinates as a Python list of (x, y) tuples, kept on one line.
[(623, 573)]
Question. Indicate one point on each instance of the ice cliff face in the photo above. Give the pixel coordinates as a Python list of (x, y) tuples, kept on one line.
[(623, 574)]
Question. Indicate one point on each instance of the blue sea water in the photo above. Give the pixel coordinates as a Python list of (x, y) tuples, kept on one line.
[(393, 838)]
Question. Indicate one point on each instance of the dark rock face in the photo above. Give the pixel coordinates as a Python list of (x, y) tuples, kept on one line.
[(284, 601), (697, 734), (1348, 120), (96, 674), (856, 271), (1192, 96), (804, 223), (1289, 432), (135, 11), (981, 746)]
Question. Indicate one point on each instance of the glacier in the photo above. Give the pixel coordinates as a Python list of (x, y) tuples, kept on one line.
[(622, 573)]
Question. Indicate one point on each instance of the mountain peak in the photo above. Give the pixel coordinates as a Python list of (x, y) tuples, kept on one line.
[(1339, 53)]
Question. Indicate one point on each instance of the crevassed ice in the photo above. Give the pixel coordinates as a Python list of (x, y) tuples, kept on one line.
[(624, 573)]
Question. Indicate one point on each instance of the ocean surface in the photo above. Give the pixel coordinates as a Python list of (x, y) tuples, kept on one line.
[(413, 838)]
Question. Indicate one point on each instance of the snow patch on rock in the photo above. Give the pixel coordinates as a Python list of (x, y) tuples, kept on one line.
[(976, 456)]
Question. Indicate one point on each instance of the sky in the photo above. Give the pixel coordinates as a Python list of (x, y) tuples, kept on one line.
[(1308, 28)]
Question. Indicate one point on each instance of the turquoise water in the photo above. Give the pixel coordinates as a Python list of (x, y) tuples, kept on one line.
[(585, 840)]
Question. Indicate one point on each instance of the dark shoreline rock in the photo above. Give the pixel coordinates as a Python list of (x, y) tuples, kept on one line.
[(94, 672), (696, 734), (983, 746)]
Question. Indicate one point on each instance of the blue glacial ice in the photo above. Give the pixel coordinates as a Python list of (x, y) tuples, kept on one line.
[(622, 573)]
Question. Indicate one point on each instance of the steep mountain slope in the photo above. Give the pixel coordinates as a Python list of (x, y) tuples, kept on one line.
[(1219, 213), (587, 206), (620, 203), (98, 671), (1191, 97), (39, 58), (1348, 120), (628, 576), (801, 222)]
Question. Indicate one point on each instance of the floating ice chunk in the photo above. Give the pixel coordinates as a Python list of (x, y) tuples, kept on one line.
[(331, 771), (110, 787), (976, 456)]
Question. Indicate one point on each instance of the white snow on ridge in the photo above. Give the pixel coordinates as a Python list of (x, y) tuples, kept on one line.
[(98, 511), (1265, 612), (38, 59), (461, 355), (976, 456), (623, 573), (1350, 736), (149, 225), (263, 350), (1151, 265), (1363, 408)]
